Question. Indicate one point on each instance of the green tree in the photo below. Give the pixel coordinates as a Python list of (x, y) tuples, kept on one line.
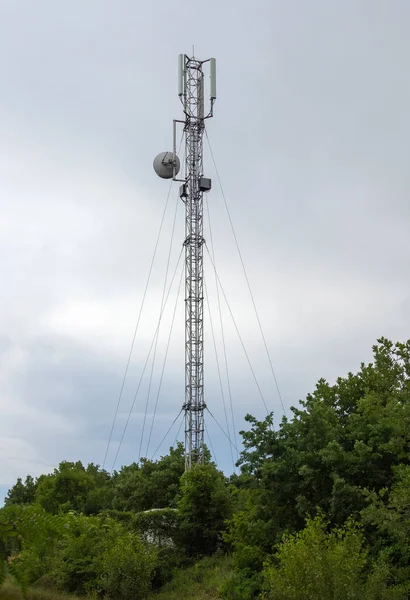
[(387, 518), (22, 493), (204, 506), (127, 568), (21, 527), (71, 552), (73, 487), (149, 484), (75, 564), (316, 565), (344, 439)]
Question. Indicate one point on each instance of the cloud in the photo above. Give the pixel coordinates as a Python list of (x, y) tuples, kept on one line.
[(310, 138)]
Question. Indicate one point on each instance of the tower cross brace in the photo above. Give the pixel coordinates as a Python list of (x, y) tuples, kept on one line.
[(191, 90), (194, 310)]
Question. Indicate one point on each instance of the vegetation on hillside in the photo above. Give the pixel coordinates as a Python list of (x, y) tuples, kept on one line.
[(320, 509)]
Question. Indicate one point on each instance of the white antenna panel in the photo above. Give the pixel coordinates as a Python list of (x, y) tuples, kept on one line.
[(181, 69), (212, 65)]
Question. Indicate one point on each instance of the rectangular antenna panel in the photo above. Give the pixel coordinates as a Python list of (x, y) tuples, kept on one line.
[(181, 69), (201, 103), (212, 62)]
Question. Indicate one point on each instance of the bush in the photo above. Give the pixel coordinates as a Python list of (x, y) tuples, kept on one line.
[(204, 506), (127, 568), (314, 565), (241, 587), (69, 560), (74, 564), (201, 581)]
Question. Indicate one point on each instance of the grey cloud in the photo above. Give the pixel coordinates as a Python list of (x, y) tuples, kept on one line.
[(66, 402), (310, 137)]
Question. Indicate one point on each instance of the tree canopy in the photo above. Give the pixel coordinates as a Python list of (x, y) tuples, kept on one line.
[(325, 493)]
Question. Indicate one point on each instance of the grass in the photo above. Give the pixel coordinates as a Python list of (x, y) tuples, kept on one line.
[(9, 591), (200, 582)]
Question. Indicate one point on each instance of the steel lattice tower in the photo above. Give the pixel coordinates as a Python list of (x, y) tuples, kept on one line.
[(191, 90)]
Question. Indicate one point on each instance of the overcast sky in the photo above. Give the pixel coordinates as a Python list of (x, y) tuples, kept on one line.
[(311, 141)]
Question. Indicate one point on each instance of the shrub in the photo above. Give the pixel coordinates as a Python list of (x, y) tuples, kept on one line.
[(127, 568), (316, 565), (204, 506)]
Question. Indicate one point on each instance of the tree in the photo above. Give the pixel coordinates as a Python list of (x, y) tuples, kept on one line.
[(75, 564), (22, 493), (149, 484), (127, 568), (344, 439), (80, 554), (318, 565), (204, 506), (387, 518), (21, 527), (72, 487)]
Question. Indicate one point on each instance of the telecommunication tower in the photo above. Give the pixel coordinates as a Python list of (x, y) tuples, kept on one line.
[(192, 88)]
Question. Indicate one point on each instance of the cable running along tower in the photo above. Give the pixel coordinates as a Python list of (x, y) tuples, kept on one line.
[(193, 88)]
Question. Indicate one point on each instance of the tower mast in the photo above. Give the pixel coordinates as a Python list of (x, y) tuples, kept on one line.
[(191, 90)]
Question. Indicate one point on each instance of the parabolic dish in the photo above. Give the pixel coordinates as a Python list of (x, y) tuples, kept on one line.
[(164, 165)]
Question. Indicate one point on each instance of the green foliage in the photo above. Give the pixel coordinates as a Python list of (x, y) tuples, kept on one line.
[(27, 523), (22, 526), (346, 441), (202, 581), (345, 453), (387, 517), (74, 563), (10, 591), (68, 488), (316, 565), (22, 493), (127, 567), (70, 556), (149, 484), (241, 587), (204, 506), (89, 555), (159, 525), (18, 577)]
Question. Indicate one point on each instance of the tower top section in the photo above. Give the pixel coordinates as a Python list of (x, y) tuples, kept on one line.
[(197, 92), (193, 69)]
